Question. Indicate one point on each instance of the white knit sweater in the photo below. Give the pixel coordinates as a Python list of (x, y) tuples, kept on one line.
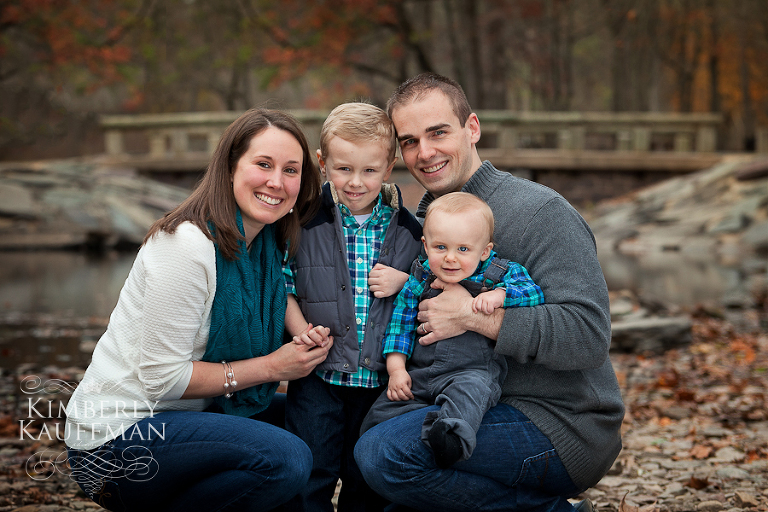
[(143, 363)]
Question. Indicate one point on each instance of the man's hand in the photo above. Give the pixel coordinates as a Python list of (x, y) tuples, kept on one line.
[(444, 316), (384, 281), (450, 314)]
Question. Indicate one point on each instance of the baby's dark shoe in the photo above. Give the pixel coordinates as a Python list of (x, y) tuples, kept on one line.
[(445, 445)]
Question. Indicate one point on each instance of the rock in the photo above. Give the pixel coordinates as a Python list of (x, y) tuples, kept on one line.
[(709, 506), (64, 204), (15, 200), (745, 499), (731, 473), (676, 413), (728, 454), (757, 236), (655, 334)]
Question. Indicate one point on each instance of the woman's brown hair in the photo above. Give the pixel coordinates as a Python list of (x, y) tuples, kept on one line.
[(214, 201)]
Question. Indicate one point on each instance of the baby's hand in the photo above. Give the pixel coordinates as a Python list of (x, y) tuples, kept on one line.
[(399, 387), (486, 302), (384, 281), (318, 336)]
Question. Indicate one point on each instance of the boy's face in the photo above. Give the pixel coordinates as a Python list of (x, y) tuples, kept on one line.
[(357, 170), (455, 244)]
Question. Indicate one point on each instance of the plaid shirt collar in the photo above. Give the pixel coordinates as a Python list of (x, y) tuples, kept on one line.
[(378, 209)]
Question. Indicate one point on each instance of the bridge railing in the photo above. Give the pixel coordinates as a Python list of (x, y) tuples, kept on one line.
[(631, 140)]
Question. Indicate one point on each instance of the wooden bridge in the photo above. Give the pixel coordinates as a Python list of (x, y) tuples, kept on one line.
[(561, 149)]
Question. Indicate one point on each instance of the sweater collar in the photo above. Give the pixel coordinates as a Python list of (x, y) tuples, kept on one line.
[(482, 183)]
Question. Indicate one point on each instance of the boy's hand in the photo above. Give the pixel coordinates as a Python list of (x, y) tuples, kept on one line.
[(317, 336), (486, 302), (384, 281), (399, 387)]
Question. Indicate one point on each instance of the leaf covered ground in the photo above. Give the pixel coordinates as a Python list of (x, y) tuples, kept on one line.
[(695, 433)]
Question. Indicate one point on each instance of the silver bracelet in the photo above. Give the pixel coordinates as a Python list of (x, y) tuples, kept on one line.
[(230, 384)]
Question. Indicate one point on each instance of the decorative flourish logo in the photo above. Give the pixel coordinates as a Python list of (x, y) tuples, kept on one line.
[(33, 384), (93, 469), (90, 418), (42, 465)]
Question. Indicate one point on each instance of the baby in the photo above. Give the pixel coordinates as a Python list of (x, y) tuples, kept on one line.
[(463, 375)]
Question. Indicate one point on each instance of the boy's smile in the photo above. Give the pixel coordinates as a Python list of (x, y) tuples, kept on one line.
[(357, 171)]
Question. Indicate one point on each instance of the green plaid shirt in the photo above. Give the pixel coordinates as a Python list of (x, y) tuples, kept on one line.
[(363, 246)]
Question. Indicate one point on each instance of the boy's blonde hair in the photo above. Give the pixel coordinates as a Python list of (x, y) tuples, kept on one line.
[(458, 202), (358, 122)]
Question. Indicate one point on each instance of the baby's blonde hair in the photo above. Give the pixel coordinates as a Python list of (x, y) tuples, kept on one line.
[(358, 122), (458, 202)]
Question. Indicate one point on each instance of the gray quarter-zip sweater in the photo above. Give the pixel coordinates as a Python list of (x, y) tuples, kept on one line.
[(559, 374)]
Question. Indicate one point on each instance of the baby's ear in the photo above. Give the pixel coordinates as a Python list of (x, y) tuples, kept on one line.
[(486, 251)]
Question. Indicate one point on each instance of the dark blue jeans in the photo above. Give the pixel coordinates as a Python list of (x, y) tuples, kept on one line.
[(328, 418), (513, 467), (206, 461)]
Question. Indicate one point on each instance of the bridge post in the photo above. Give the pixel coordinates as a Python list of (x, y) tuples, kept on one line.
[(213, 140), (571, 138), (706, 139), (179, 142), (113, 142), (761, 139), (157, 143), (623, 140), (682, 142), (641, 139)]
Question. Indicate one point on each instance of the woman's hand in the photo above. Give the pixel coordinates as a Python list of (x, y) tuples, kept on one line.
[(289, 362), (295, 360)]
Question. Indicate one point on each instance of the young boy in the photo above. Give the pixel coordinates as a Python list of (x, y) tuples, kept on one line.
[(463, 375), (352, 260)]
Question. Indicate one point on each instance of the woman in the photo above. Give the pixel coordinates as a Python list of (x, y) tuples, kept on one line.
[(201, 315)]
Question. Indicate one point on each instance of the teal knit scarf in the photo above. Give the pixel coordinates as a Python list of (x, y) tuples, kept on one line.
[(248, 314)]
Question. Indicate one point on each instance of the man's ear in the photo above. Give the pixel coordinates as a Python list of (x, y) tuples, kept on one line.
[(473, 123), (486, 251), (321, 162)]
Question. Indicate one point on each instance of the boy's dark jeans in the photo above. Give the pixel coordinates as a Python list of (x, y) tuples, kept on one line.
[(328, 417)]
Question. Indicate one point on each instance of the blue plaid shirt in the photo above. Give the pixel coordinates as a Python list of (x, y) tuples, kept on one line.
[(401, 332), (363, 246)]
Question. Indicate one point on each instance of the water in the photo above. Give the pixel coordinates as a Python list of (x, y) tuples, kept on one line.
[(55, 305), (67, 284)]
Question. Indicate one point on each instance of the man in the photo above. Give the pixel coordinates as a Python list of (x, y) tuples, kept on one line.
[(556, 429)]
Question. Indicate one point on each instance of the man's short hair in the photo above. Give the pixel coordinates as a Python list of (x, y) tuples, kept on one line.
[(460, 202), (358, 122), (420, 85)]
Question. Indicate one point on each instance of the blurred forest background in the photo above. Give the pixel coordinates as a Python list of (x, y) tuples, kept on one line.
[(64, 62)]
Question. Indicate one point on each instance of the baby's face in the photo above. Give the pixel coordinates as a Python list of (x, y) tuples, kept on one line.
[(455, 244)]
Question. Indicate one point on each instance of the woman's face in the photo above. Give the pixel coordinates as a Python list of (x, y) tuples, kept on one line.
[(267, 179)]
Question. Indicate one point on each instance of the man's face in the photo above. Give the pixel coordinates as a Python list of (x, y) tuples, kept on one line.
[(437, 150)]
